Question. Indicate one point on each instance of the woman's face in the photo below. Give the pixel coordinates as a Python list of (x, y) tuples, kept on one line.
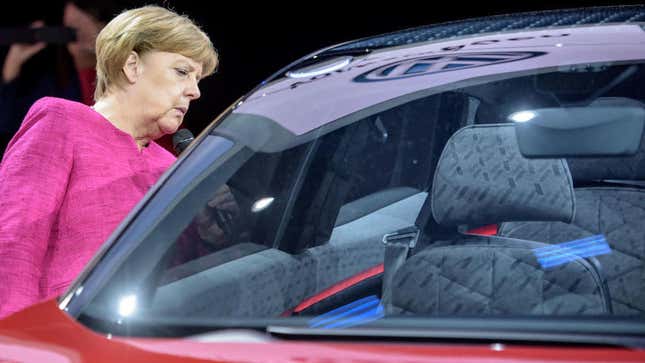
[(165, 87)]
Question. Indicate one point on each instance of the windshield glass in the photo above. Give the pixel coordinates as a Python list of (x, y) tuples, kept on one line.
[(520, 194)]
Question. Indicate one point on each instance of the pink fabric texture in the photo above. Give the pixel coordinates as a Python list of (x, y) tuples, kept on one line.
[(67, 179)]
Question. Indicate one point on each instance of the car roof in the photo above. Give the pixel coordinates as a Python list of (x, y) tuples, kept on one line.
[(392, 74), (501, 23)]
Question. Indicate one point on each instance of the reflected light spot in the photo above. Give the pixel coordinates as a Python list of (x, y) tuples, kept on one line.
[(563, 253), (327, 68), (128, 305), (497, 347), (359, 312), (522, 116), (261, 204)]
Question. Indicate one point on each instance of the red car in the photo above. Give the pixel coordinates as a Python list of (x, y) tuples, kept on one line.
[(470, 191)]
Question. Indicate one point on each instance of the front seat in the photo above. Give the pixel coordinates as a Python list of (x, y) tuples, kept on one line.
[(481, 178)]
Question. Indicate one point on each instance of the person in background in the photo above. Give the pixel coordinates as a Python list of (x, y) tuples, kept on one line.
[(32, 71), (73, 172)]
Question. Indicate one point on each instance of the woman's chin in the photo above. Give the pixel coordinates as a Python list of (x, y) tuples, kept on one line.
[(168, 128)]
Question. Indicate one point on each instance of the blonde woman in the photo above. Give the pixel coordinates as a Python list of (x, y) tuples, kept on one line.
[(72, 172)]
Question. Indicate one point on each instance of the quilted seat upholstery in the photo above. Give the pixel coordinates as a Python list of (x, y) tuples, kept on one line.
[(482, 178), (616, 213), (494, 276)]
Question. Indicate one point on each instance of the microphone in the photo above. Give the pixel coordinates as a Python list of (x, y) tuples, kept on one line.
[(181, 139)]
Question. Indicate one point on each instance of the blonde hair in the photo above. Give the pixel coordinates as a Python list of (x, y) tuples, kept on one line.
[(145, 29)]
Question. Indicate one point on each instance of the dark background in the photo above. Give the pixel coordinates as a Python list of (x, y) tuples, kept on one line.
[(254, 41)]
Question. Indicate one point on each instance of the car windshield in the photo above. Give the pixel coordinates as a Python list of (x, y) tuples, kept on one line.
[(418, 182)]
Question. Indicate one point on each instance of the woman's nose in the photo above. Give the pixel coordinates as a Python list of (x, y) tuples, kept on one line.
[(192, 91)]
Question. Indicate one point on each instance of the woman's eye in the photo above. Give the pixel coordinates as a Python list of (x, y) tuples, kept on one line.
[(181, 72)]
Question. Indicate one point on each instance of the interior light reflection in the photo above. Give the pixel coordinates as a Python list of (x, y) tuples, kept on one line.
[(261, 204), (522, 116)]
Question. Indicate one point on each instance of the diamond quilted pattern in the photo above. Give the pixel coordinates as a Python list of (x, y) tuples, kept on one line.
[(492, 276), (618, 213)]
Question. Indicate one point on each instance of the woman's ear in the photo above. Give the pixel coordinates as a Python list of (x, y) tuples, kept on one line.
[(132, 67)]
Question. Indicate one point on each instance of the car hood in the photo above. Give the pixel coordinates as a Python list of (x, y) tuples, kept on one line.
[(44, 333)]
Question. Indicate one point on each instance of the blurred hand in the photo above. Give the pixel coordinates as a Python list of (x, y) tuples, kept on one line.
[(18, 54), (87, 28), (216, 221)]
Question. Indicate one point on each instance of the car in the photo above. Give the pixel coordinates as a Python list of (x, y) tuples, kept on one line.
[(468, 191)]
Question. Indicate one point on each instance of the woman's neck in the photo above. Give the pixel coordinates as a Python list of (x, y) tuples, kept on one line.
[(115, 108)]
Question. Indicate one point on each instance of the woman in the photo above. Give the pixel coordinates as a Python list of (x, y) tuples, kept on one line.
[(72, 173)]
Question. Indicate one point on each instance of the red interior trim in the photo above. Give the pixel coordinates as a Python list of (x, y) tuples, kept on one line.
[(338, 287), (489, 230)]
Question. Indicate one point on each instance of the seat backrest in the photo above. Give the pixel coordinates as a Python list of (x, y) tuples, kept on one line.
[(482, 178)]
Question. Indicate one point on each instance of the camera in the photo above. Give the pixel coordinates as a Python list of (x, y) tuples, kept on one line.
[(47, 34)]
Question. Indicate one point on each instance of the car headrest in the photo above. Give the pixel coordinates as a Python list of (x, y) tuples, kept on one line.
[(481, 178), (623, 167)]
